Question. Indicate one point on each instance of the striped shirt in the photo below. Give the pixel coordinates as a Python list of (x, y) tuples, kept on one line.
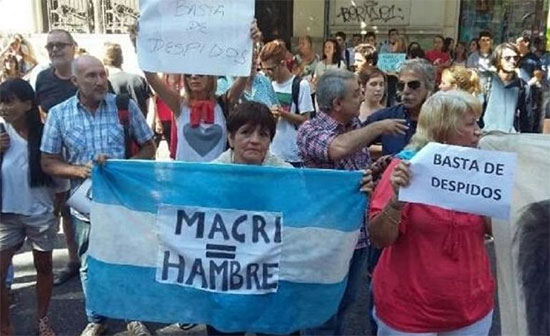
[(314, 139)]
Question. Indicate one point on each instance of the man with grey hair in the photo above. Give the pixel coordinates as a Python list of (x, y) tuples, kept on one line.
[(87, 128), (416, 83), (336, 140)]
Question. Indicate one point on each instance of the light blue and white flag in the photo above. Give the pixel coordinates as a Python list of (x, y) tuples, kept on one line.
[(241, 248)]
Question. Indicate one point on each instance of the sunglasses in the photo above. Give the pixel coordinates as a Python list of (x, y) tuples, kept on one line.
[(270, 69), (57, 45), (413, 85), (509, 58)]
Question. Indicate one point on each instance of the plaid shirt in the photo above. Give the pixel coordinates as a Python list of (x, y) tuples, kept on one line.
[(314, 138), (84, 135)]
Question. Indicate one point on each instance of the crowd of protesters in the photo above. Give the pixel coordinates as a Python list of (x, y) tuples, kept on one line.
[(335, 111)]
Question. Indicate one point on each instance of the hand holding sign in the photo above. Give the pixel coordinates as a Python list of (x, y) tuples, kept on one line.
[(194, 36), (461, 179)]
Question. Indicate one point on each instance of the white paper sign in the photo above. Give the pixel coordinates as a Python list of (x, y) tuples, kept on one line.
[(207, 37), (219, 250), (81, 198), (462, 179)]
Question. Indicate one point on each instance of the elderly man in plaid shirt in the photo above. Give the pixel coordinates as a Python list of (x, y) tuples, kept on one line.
[(87, 127), (336, 140)]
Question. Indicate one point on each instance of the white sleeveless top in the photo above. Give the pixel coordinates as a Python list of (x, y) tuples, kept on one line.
[(203, 143)]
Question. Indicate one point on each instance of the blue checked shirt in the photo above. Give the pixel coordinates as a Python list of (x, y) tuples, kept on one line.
[(84, 135)]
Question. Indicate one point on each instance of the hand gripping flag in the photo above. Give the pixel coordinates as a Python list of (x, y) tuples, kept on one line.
[(241, 248)]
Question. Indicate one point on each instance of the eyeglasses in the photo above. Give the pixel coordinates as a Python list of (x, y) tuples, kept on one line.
[(57, 45), (413, 85), (509, 58)]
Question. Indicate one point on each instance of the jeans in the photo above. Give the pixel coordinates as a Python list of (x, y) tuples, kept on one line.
[(10, 276), (335, 324), (478, 328), (82, 235)]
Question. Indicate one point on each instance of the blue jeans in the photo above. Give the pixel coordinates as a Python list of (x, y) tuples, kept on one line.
[(82, 235), (335, 324), (10, 276)]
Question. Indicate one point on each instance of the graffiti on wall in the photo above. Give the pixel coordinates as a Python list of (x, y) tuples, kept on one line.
[(372, 12)]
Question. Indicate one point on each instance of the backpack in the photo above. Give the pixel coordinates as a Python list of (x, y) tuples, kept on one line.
[(131, 147), (296, 94)]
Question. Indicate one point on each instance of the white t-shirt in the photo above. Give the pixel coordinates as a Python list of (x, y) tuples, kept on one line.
[(284, 143), (17, 195), (203, 143), (321, 68)]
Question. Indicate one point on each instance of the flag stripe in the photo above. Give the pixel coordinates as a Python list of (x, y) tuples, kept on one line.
[(306, 256), (138, 184), (139, 297)]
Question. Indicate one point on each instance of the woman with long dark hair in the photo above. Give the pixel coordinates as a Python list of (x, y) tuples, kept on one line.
[(332, 59), (28, 197)]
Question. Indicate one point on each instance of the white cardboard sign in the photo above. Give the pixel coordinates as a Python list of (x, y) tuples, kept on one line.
[(219, 250), (462, 179), (206, 37)]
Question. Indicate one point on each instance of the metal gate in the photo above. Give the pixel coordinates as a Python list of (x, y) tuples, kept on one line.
[(92, 16)]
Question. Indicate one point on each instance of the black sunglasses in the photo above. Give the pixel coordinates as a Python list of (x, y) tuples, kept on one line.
[(270, 69), (413, 85), (57, 45), (509, 58)]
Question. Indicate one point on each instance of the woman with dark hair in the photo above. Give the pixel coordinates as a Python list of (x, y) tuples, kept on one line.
[(373, 84), (415, 51), (473, 46), (332, 59), (460, 54), (10, 68), (251, 129), (28, 212), (449, 46)]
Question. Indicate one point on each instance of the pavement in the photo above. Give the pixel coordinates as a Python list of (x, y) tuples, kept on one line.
[(67, 315)]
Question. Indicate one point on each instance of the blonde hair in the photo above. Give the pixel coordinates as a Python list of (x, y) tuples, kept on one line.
[(402, 40), (465, 79), (211, 87), (440, 116)]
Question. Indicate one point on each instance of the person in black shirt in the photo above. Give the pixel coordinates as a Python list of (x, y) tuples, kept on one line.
[(415, 84), (54, 86)]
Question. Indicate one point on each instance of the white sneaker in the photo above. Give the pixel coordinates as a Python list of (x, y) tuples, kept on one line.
[(136, 328), (94, 329)]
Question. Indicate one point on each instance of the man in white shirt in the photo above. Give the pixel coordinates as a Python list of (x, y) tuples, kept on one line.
[(295, 102)]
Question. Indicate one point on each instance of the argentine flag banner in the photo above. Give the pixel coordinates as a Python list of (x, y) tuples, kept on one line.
[(237, 247)]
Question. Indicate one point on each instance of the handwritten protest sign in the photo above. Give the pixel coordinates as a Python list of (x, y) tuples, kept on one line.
[(219, 250), (463, 179), (208, 37), (390, 62)]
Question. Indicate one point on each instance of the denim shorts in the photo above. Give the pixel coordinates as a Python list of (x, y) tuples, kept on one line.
[(40, 231)]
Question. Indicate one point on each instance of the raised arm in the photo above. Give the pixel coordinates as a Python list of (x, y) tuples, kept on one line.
[(237, 89), (348, 143), (170, 97)]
